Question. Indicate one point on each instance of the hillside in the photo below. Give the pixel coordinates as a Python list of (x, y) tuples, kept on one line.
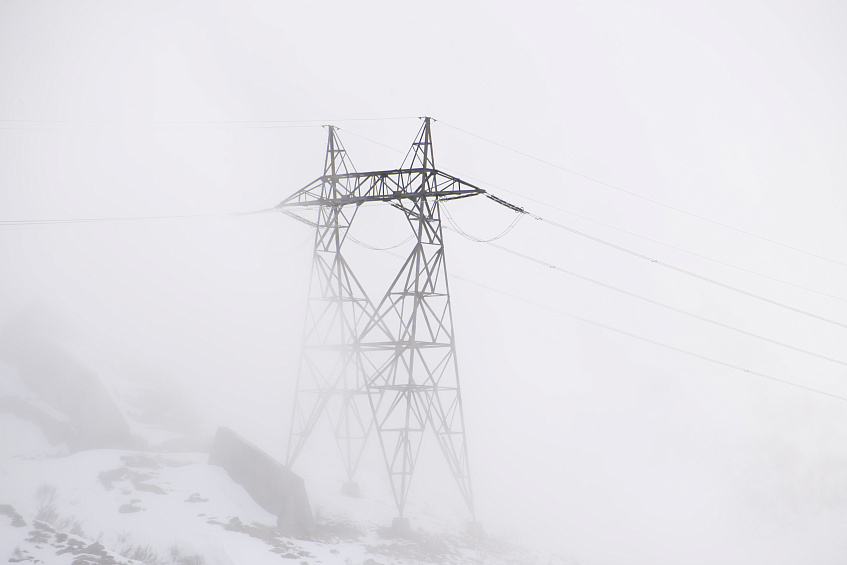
[(158, 501)]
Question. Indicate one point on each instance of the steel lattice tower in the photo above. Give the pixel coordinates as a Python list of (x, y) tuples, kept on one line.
[(392, 366)]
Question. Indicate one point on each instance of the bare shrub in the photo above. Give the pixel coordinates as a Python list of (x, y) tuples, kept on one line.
[(180, 558), (17, 555), (71, 525), (46, 497), (143, 553)]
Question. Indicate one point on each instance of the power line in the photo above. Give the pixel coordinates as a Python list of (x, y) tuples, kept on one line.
[(659, 343), (642, 197), (473, 238), (37, 125), (644, 237), (458, 229), (322, 121), (361, 243), (662, 304), (11, 224), (16, 224), (100, 220), (663, 264), (153, 127), (718, 261), (372, 141), (646, 339), (690, 273)]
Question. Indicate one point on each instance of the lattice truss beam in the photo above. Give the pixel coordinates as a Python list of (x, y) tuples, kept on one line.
[(390, 366)]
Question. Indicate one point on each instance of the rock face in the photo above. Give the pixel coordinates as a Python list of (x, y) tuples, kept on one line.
[(272, 485), (93, 420)]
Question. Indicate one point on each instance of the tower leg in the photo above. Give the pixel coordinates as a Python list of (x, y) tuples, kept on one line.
[(330, 375), (413, 380)]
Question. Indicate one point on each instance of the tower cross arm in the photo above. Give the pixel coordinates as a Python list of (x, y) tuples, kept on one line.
[(381, 186)]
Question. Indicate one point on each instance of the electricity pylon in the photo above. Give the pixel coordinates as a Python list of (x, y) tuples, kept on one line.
[(400, 355)]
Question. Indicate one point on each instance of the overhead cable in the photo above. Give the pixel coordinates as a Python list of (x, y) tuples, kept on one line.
[(690, 273), (200, 124), (662, 304), (661, 344), (99, 220), (646, 198), (361, 243), (644, 237), (650, 340), (502, 234), (518, 209), (678, 269)]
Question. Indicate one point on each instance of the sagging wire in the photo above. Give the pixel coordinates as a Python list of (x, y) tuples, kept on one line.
[(374, 248), (473, 238)]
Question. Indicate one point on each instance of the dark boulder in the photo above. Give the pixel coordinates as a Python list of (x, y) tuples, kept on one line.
[(272, 485)]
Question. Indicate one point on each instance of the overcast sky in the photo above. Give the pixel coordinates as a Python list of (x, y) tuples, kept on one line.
[(613, 449)]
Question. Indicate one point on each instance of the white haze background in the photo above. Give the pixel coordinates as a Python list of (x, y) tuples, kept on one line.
[(611, 449)]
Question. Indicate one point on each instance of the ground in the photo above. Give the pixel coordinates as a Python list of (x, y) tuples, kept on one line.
[(132, 507)]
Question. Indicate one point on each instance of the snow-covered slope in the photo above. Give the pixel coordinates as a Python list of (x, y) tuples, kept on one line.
[(162, 503), (110, 506)]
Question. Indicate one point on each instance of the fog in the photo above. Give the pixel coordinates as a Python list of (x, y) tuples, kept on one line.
[(606, 448)]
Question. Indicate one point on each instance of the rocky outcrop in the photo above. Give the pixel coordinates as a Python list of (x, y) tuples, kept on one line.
[(62, 382), (273, 486)]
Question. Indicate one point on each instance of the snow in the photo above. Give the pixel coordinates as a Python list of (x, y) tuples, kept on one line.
[(161, 503), (175, 508)]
